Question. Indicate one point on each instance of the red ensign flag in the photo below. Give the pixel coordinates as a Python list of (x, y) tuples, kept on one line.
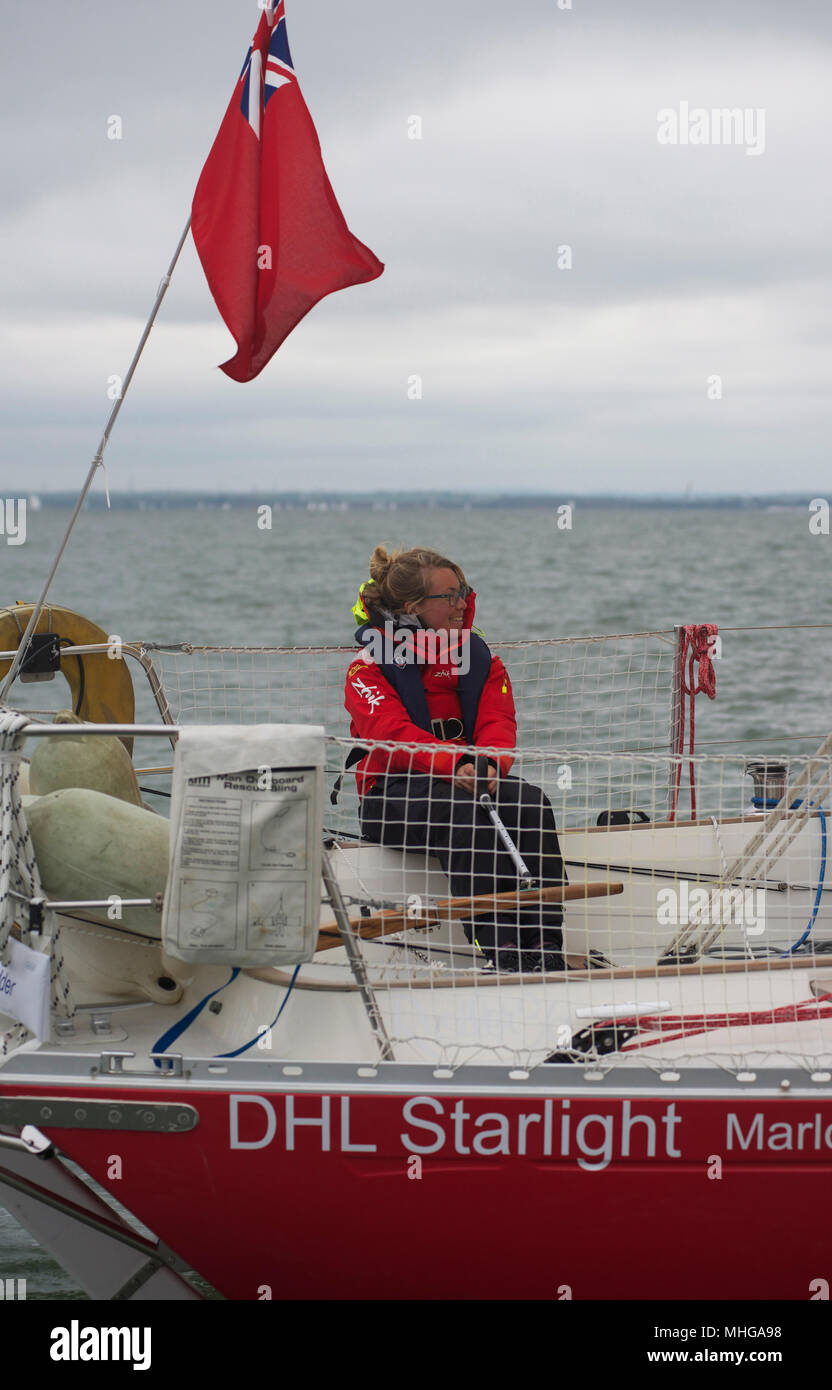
[(269, 232)]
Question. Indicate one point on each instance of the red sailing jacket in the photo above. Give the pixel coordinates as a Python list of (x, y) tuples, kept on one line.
[(378, 711)]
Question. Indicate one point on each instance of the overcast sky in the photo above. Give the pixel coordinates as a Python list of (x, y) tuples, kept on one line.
[(539, 129)]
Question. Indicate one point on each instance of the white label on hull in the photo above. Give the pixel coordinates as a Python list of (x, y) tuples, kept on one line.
[(546, 1129), (434, 1127), (762, 1134), (267, 1119)]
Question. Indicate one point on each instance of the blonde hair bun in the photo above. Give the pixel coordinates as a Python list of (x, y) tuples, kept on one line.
[(380, 563)]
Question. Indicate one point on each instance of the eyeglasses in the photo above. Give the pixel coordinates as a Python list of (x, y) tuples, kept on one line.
[(453, 596)]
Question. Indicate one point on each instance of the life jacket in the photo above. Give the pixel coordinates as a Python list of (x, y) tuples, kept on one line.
[(406, 680), (404, 677)]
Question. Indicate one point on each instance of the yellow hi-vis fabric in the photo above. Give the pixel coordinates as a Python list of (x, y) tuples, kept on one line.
[(359, 612)]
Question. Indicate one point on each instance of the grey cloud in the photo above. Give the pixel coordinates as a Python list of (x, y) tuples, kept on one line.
[(540, 129)]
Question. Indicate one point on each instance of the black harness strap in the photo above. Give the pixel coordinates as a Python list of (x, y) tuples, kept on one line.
[(354, 756)]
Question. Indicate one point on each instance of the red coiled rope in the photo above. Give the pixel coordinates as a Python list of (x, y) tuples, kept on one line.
[(697, 644), (672, 1028)]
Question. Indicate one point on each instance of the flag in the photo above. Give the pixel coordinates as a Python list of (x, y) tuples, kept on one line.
[(269, 232)]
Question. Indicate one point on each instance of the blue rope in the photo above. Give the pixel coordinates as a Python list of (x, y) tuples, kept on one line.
[(182, 1024), (247, 1045), (179, 1027), (758, 801), (793, 948)]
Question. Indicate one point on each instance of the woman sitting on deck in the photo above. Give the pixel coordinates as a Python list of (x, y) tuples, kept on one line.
[(426, 678)]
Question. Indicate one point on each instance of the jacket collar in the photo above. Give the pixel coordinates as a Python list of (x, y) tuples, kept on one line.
[(381, 616)]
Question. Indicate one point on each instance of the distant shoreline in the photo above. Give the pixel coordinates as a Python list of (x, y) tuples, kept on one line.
[(395, 501)]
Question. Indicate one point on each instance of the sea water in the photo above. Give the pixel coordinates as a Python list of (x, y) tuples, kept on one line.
[(201, 574), (205, 575)]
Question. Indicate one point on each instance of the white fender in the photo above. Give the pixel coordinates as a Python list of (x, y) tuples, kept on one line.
[(98, 763), (89, 845)]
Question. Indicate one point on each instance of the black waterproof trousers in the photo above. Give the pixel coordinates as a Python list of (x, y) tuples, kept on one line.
[(420, 812)]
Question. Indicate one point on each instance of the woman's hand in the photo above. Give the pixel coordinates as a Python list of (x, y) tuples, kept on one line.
[(466, 778)]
